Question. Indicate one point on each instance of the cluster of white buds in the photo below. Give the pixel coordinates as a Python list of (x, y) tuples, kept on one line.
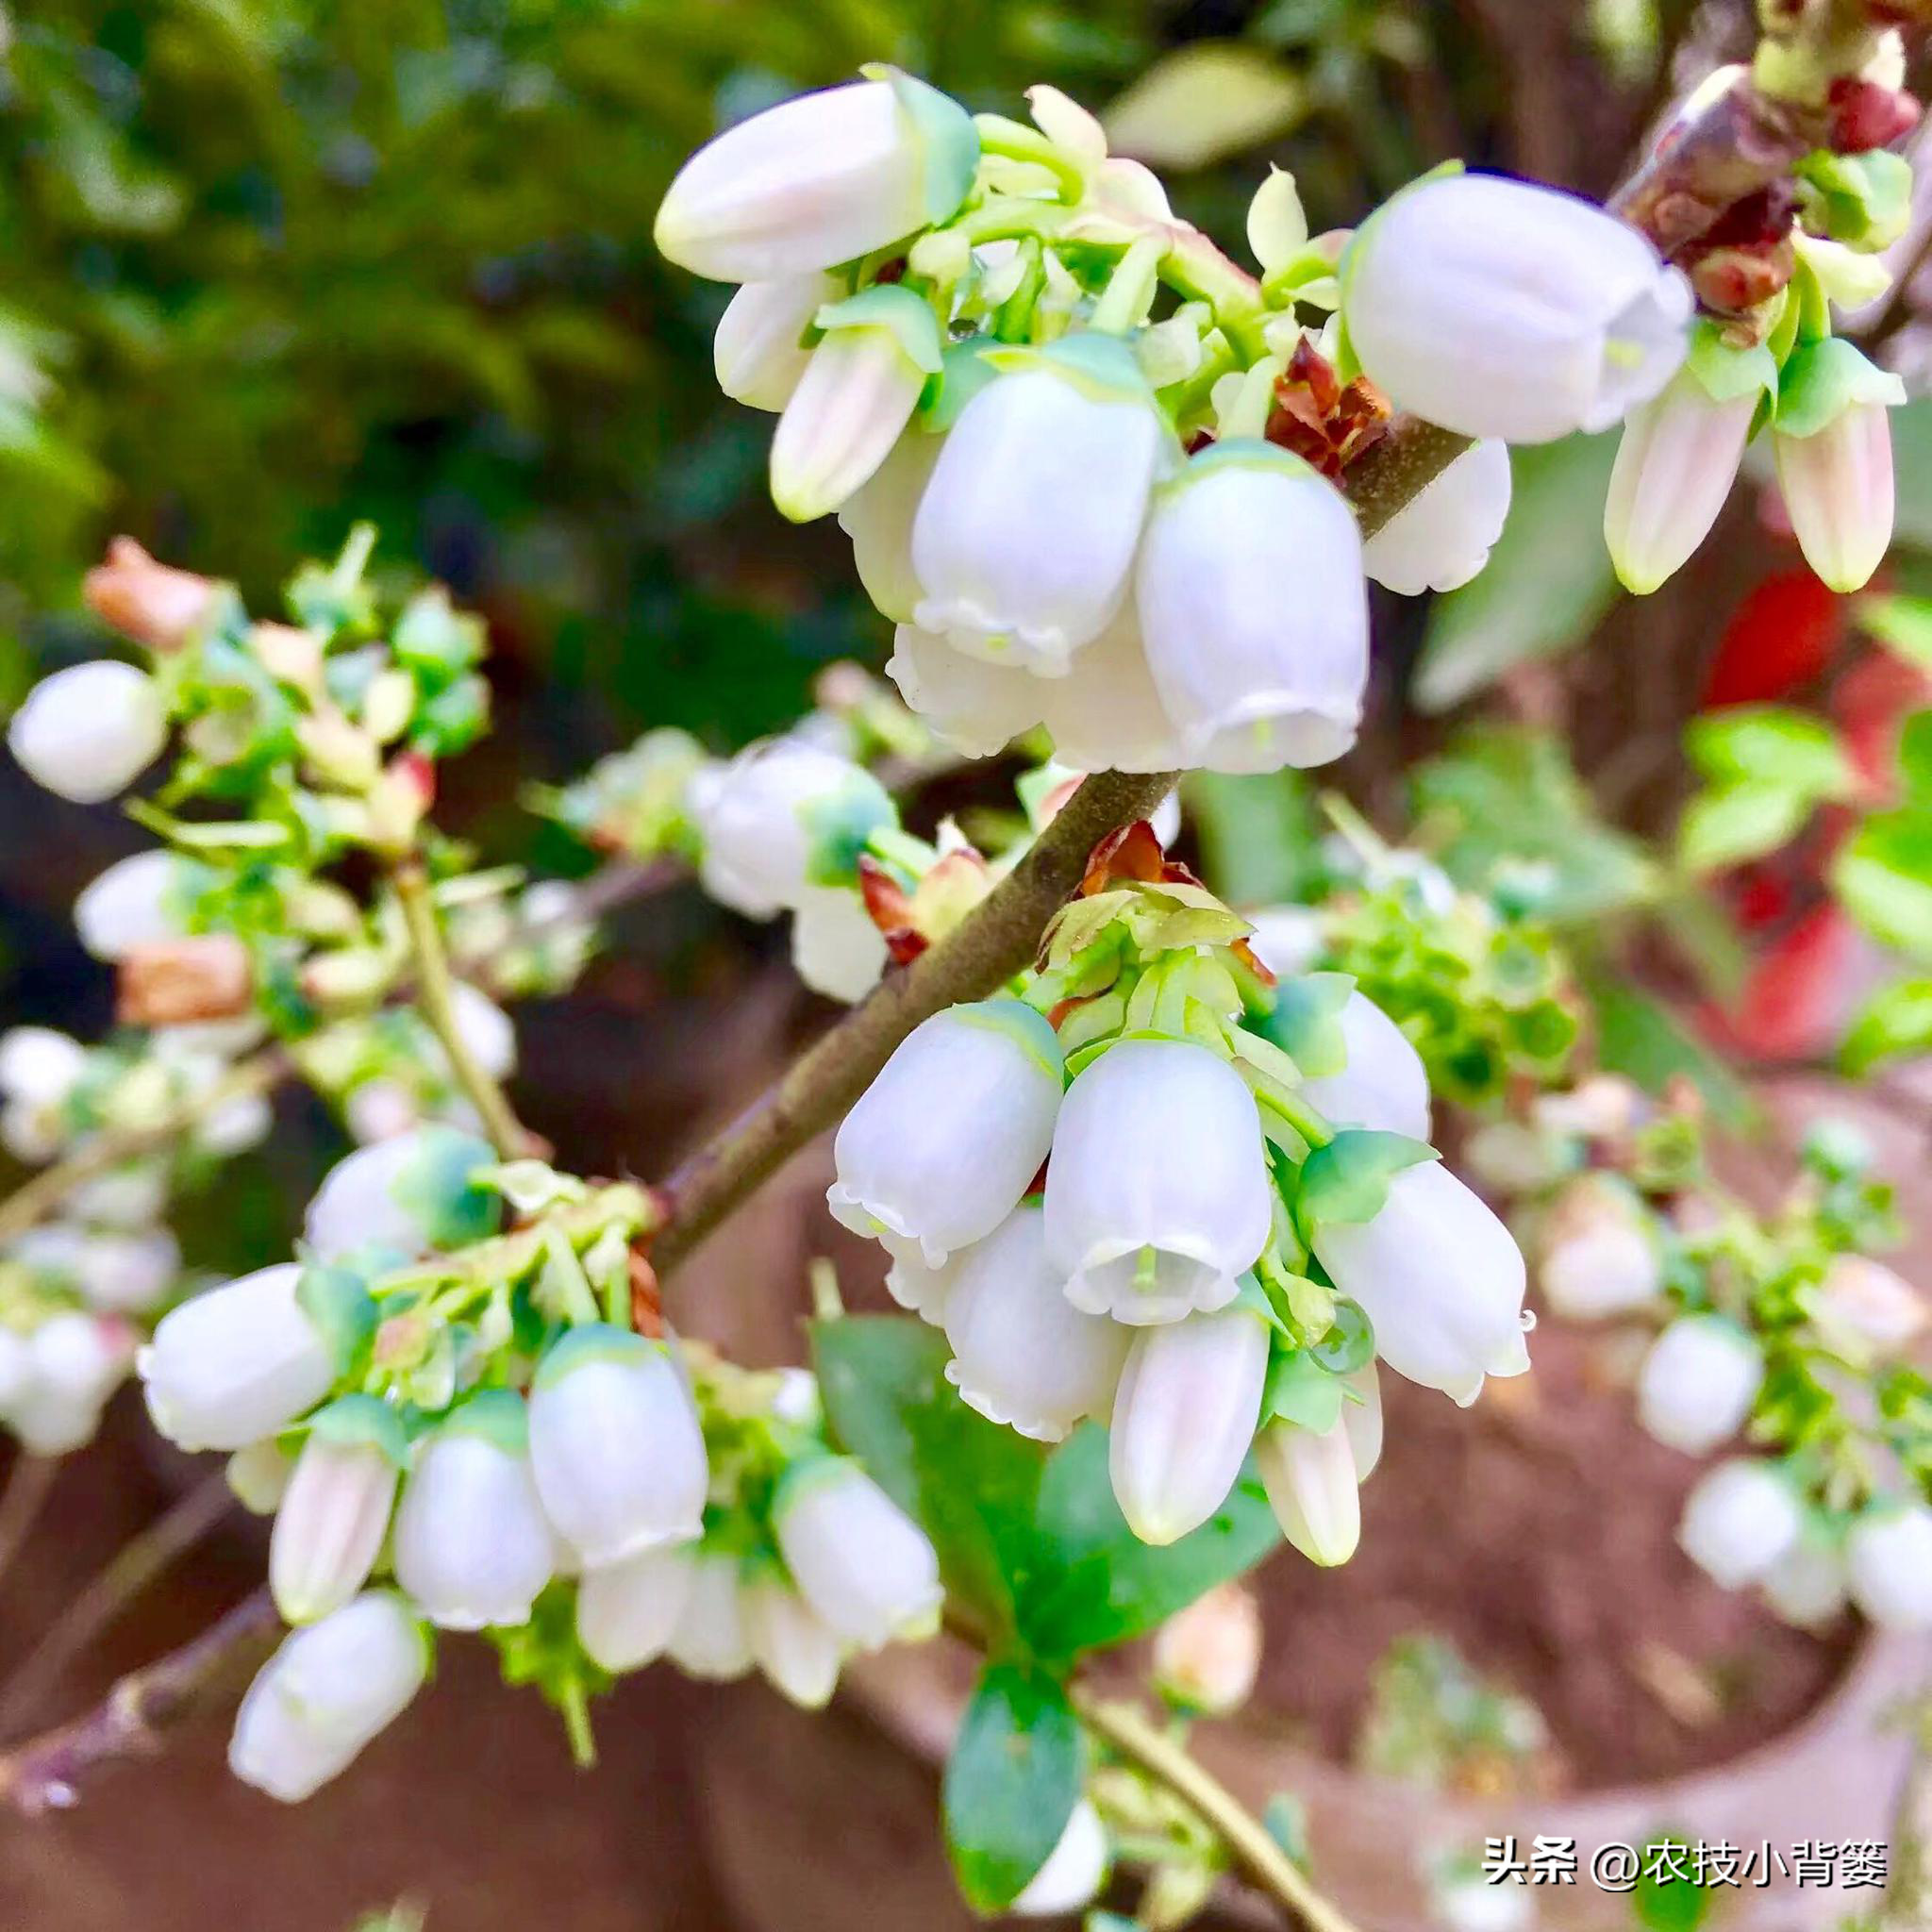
[(1142, 1213), (458, 1429), (1079, 515), (59, 1365)]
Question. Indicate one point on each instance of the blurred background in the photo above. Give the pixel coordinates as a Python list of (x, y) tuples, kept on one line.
[(272, 267)]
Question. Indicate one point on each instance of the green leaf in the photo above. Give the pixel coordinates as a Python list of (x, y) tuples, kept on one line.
[(1864, 200), (1636, 1036), (1546, 582), (1915, 757), (1904, 624), (1259, 842), (1096, 1583), (1202, 102), (1884, 877), (1739, 822), (1011, 1783), (1663, 1902), (1893, 1022), (1751, 744), (970, 1483), (1348, 1179)]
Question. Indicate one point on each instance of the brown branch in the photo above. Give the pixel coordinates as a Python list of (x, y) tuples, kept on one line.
[(29, 1482), (45, 1773)]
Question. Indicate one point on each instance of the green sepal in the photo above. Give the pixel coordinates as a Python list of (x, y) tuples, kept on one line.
[(1020, 1024), (436, 640), (964, 371), (1299, 1390), (499, 1416), (948, 139), (1347, 1181), (1349, 1343), (1100, 366), (1305, 1023), (353, 1421), (1823, 380), (1726, 372), (1864, 201), (441, 1190), (591, 1341), (839, 824), (897, 309), (336, 1300)]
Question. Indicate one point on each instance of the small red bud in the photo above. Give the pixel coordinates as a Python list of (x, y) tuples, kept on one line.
[(1866, 114)]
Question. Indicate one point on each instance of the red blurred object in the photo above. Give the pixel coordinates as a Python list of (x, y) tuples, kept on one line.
[(1871, 702), (1779, 638), (1803, 991)]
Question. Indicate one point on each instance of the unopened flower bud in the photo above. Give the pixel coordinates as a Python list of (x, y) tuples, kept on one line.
[(40, 1065), (152, 602), (408, 1194), (1074, 1872), (137, 901), (1312, 1487), (615, 1445), (626, 1611), (1889, 1562), (1739, 1520), (1806, 1585), (1864, 1309), (819, 181), (1832, 439), (709, 1638), (335, 1509), (1599, 1254), (787, 1638), (326, 1694), (837, 948), (759, 351), (1157, 1195), (863, 1565), (473, 1545), (170, 982), (88, 732), (1183, 1416), (237, 1364), (879, 517), (1698, 1382), (1498, 307), (1384, 1085), (1207, 1657)]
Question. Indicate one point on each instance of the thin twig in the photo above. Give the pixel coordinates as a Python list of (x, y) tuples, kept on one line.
[(1165, 1759), (133, 1566), (28, 1484), (977, 959), (38, 1197), (435, 995), (45, 1773)]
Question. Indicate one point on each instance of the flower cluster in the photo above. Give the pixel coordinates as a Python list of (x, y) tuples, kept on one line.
[(1161, 1190), (1081, 515), (472, 1414), (1781, 1327)]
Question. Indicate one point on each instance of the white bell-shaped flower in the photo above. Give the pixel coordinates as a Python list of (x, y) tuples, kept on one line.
[(1865, 1308), (88, 732), (47, 1422), (40, 1065), (1252, 678), (1441, 1278), (1675, 468), (626, 1611), (1497, 307), (236, 1364), (941, 1145), (258, 1475), (473, 1545), (920, 1288), (127, 1274), (334, 1511), (1025, 539), (1838, 492), (1889, 1566), (1698, 1382), (762, 819), (788, 1641), (1022, 1353), (615, 1445), (1383, 1084), (79, 1358), (393, 1194), (878, 518), (863, 1565), (1184, 1415), (855, 395), (1739, 1521), (326, 1694), (137, 901), (1287, 939), (1597, 1252), (1313, 1481), (1075, 1871), (974, 706), (819, 181), (1806, 1585), (836, 947), (759, 350), (488, 1033), (709, 1638), (126, 1199), (1157, 1194), (1442, 536), (1105, 715), (235, 1126)]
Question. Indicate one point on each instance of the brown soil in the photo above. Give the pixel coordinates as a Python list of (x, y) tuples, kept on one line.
[(1535, 1532)]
